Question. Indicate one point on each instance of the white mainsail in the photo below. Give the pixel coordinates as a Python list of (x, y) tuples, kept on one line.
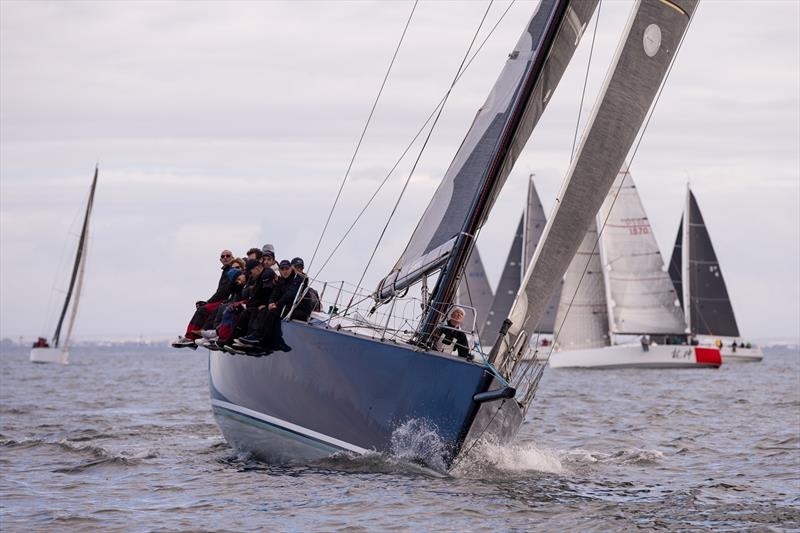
[(640, 293), (582, 318), (650, 41)]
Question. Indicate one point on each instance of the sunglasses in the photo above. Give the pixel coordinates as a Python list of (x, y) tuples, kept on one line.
[(225, 256)]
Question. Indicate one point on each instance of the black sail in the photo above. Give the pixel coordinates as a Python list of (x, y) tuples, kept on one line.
[(675, 264), (711, 312), (78, 258), (506, 289)]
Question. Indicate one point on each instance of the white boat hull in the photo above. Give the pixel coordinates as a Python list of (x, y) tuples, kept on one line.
[(633, 356), (49, 355), (742, 355)]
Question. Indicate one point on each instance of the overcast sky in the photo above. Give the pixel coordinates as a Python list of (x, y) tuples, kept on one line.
[(228, 125)]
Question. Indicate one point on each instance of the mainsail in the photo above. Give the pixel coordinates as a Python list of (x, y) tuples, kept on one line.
[(507, 288), (474, 290), (582, 318), (641, 297), (526, 238), (76, 280), (494, 141), (651, 39), (709, 310)]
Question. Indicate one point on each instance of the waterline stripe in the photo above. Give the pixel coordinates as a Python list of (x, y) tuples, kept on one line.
[(300, 430)]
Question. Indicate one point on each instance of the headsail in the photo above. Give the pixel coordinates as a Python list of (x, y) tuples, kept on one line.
[(676, 264), (710, 311), (76, 280), (642, 299), (474, 289), (652, 36), (582, 318), (494, 141)]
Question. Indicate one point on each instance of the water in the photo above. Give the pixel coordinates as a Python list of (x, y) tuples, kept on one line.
[(123, 438)]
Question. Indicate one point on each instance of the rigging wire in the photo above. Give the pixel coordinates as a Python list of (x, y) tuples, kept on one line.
[(585, 82), (421, 151), (540, 369), (413, 140), (363, 132)]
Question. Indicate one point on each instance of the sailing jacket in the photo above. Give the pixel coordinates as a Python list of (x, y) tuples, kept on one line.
[(223, 287)]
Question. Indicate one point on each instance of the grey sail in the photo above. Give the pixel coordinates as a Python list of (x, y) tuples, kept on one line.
[(474, 289), (495, 139), (506, 289), (526, 238), (675, 264), (652, 36), (640, 293), (710, 309), (582, 318), (535, 221)]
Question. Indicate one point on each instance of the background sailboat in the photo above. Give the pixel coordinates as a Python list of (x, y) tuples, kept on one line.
[(526, 238), (58, 351), (697, 277), (625, 293)]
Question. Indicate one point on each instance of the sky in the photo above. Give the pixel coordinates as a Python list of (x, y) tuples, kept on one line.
[(231, 124)]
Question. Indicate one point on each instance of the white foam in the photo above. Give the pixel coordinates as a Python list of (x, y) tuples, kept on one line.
[(487, 458)]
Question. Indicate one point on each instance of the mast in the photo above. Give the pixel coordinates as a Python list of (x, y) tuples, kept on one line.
[(605, 269), (515, 133), (686, 256), (77, 268)]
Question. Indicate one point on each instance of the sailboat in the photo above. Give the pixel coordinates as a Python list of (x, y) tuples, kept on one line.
[(349, 390), (526, 238), (616, 288), (698, 280), (58, 350)]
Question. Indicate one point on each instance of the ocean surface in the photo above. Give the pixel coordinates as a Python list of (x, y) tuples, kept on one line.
[(123, 439)]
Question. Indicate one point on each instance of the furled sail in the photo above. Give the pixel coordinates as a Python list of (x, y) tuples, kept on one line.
[(498, 134), (474, 289), (642, 299), (76, 280), (582, 318), (710, 311), (652, 36)]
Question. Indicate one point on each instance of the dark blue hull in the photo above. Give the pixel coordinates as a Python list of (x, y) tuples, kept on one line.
[(336, 391)]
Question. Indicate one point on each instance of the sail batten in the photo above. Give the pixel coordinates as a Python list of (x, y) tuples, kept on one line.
[(650, 40)]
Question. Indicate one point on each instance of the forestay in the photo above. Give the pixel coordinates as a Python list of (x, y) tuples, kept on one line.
[(641, 297), (498, 134), (582, 318), (650, 41)]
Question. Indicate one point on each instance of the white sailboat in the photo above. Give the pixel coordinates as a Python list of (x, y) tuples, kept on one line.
[(619, 307), (698, 280), (58, 350)]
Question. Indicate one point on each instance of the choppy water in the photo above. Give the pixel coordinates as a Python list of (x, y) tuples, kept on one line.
[(124, 439)]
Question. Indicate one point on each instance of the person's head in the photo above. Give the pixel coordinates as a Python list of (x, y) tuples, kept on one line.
[(286, 268), (455, 316), (238, 263), (225, 257), (268, 248), (253, 264), (254, 253), (268, 259), (298, 265), (240, 279)]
